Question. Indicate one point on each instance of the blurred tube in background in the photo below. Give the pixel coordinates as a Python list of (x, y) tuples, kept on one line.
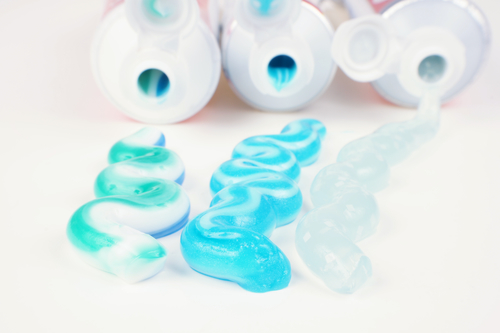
[(403, 45), (158, 61), (276, 53)]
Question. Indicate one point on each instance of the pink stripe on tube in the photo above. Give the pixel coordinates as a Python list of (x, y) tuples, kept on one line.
[(379, 5), (205, 11), (110, 5)]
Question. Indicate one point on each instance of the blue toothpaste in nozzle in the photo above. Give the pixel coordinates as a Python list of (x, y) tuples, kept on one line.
[(276, 53)]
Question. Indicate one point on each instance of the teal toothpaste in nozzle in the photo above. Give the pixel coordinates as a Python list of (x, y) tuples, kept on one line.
[(158, 61)]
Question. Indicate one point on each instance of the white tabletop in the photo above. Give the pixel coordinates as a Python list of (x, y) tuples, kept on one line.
[(436, 255)]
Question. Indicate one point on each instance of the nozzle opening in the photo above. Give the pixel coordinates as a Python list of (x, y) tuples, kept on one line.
[(154, 84), (432, 68), (281, 70)]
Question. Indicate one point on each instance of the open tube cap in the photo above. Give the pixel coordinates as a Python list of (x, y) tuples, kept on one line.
[(366, 48)]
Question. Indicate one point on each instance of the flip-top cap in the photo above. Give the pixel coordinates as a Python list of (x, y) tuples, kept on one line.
[(365, 48)]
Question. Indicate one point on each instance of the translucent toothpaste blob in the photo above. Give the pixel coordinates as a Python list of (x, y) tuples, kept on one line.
[(346, 211), (388, 43), (342, 193), (139, 199), (254, 193), (276, 53), (158, 61)]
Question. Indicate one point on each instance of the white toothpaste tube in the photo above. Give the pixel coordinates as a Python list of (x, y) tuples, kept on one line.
[(158, 61), (276, 53), (403, 45)]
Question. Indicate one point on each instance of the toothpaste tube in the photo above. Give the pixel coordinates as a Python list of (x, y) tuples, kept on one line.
[(158, 61), (276, 53), (392, 43)]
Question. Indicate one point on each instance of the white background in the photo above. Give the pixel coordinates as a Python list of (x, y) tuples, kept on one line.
[(436, 256)]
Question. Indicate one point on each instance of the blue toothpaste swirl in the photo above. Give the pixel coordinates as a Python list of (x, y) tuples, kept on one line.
[(255, 192)]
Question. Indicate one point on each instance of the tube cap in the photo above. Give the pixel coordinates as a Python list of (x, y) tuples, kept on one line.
[(366, 47)]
